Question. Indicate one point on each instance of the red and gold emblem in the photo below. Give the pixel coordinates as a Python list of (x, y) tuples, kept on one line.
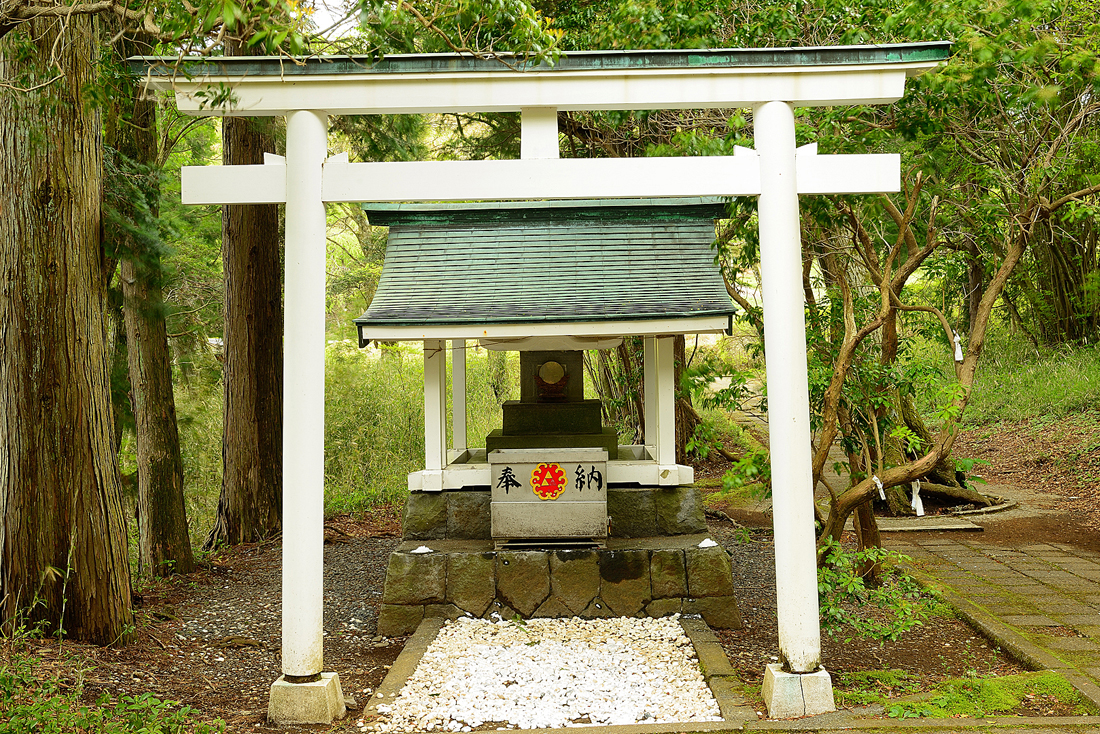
[(548, 481)]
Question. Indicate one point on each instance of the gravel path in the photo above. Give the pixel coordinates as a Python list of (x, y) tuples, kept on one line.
[(549, 673)]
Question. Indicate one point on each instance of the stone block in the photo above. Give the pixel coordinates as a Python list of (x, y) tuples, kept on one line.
[(817, 692), (720, 612), (320, 702), (425, 516), (789, 695), (633, 513), (415, 578), (596, 610), (625, 581), (712, 659), (582, 416), (468, 516), (471, 581), (663, 607), (553, 608), (679, 510), (575, 578), (709, 572), (442, 611), (523, 579), (398, 620), (668, 574)]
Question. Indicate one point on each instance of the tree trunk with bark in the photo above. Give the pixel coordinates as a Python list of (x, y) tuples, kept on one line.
[(62, 536), (250, 505), (164, 545), (686, 416)]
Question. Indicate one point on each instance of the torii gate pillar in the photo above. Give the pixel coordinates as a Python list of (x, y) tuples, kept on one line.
[(806, 688), (303, 693)]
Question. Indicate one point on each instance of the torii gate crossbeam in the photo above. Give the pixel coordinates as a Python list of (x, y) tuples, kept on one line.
[(771, 81)]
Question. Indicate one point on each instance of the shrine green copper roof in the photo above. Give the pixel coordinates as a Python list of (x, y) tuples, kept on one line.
[(542, 262), (252, 66)]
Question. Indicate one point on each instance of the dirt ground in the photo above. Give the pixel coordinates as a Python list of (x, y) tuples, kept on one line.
[(211, 639)]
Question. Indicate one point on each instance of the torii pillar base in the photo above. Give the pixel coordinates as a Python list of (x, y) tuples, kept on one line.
[(317, 702), (789, 695)]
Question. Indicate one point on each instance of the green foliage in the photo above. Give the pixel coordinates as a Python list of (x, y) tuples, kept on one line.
[(970, 697), (753, 470), (374, 419), (860, 688), (199, 418), (881, 611), (490, 28), (33, 698), (1018, 381)]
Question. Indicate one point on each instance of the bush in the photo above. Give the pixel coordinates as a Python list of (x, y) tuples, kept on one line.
[(34, 699), (882, 611)]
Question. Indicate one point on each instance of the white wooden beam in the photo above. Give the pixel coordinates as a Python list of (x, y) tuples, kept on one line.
[(258, 184), (509, 91), (435, 413), (303, 395), (538, 133), (788, 396), (573, 178), (702, 325), (570, 178), (666, 412)]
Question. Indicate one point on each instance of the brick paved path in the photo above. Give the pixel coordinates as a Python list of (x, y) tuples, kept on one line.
[(1040, 601)]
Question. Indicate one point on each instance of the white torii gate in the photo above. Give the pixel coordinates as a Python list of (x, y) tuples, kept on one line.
[(770, 81)]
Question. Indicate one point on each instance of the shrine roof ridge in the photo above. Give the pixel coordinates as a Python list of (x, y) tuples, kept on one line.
[(552, 210), (785, 56)]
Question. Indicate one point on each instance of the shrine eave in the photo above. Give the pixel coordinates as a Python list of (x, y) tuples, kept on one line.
[(579, 80), (342, 65), (524, 269)]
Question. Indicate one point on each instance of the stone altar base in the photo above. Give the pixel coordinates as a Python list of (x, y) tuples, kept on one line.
[(635, 512), (631, 577)]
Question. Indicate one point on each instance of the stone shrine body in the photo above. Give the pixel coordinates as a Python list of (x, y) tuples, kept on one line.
[(552, 517)]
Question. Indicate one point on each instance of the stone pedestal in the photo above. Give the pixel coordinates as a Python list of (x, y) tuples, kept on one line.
[(789, 695), (319, 702), (653, 577)]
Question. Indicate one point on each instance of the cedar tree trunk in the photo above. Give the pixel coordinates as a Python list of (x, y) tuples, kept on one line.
[(250, 505), (163, 541), (62, 536)]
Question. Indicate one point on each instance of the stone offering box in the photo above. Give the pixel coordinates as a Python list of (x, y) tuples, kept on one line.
[(548, 494)]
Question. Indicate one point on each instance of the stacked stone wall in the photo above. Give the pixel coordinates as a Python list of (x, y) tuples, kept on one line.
[(633, 582)]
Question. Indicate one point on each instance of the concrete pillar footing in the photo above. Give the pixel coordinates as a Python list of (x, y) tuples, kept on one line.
[(788, 695), (320, 702)]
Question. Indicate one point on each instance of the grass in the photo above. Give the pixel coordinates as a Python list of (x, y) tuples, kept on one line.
[(1017, 381), (374, 418), (970, 697), (873, 686), (36, 697), (899, 692)]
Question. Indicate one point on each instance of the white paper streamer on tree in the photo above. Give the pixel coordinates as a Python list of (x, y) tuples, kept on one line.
[(958, 348), (917, 503), (878, 483)]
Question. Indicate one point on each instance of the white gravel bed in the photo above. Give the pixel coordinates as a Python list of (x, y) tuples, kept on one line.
[(547, 673)]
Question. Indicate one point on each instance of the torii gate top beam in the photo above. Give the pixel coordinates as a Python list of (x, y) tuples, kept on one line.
[(590, 80)]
